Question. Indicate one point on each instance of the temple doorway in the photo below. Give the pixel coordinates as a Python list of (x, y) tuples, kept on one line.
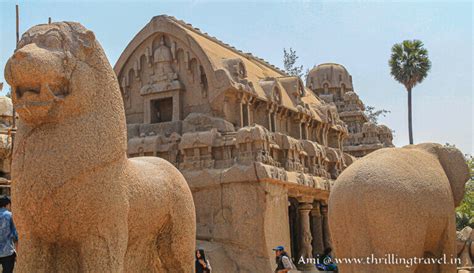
[(161, 110)]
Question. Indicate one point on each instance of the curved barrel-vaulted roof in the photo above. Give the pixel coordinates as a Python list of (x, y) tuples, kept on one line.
[(220, 60)]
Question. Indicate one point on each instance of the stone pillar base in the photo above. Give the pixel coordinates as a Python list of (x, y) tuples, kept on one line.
[(307, 268)]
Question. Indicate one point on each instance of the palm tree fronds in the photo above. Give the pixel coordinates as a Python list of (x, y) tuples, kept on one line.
[(409, 63)]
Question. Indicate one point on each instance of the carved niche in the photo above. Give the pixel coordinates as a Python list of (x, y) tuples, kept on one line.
[(164, 77), (160, 86), (158, 74), (238, 73)]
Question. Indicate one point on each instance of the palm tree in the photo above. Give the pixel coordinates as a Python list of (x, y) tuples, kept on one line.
[(409, 65)]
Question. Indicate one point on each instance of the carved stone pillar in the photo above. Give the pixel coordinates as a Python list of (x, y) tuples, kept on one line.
[(270, 121), (271, 117), (317, 230), (325, 134), (288, 123), (300, 129), (311, 131), (250, 112), (305, 248), (341, 140), (326, 233), (241, 113), (306, 127)]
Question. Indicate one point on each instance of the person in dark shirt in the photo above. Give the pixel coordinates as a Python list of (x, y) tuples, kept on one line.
[(8, 236), (283, 261), (325, 262), (202, 264)]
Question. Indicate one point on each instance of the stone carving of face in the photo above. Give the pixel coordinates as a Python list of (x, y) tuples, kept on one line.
[(40, 70)]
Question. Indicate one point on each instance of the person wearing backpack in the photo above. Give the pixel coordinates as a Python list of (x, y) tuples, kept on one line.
[(202, 264), (283, 261)]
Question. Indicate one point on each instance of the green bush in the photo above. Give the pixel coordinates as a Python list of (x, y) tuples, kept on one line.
[(465, 211)]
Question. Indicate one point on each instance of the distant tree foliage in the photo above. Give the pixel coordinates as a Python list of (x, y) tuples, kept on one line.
[(289, 63), (465, 211), (374, 114)]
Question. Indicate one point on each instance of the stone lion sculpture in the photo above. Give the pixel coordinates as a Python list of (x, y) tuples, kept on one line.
[(398, 203), (80, 205)]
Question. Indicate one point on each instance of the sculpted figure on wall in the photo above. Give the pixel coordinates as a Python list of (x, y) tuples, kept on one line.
[(164, 76), (80, 205), (163, 59)]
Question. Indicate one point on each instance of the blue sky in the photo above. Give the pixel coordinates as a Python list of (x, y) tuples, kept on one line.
[(357, 34)]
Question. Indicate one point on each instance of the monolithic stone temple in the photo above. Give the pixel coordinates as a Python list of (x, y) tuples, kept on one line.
[(259, 150), (6, 119), (332, 83)]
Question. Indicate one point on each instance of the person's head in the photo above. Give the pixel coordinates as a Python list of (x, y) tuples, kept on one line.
[(279, 250), (5, 201), (200, 254), (327, 251)]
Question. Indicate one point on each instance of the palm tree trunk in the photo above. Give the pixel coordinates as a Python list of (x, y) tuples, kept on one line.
[(410, 124)]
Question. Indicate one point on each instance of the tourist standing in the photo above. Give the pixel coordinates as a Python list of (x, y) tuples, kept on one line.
[(202, 264), (8, 236), (283, 261)]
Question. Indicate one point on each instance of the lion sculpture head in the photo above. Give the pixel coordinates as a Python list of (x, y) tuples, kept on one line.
[(55, 73)]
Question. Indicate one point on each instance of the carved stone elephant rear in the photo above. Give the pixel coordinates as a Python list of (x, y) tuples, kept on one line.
[(396, 205)]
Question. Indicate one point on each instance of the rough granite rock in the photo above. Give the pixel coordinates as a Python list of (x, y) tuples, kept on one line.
[(398, 201), (196, 122), (79, 204), (465, 248)]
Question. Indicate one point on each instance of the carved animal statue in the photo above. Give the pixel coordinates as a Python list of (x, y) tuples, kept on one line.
[(79, 204), (465, 249), (398, 203)]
